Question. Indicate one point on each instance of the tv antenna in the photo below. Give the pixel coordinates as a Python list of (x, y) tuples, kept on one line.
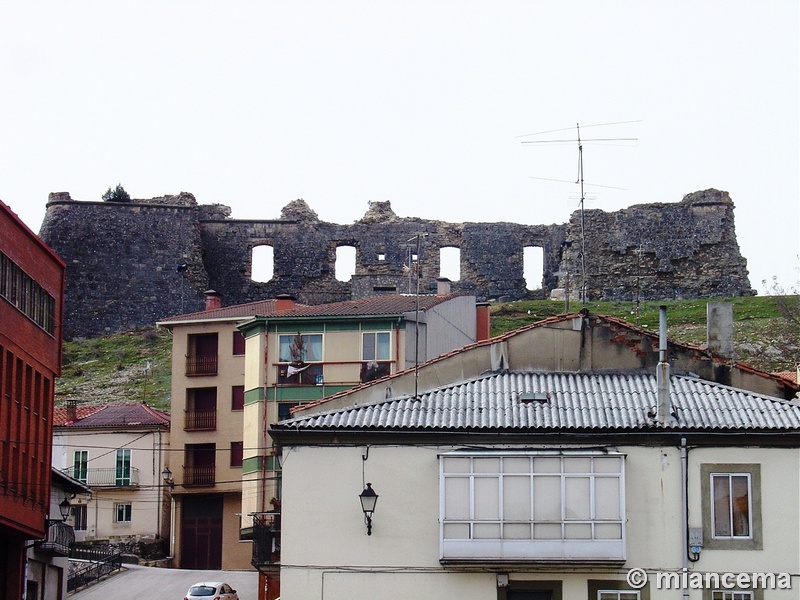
[(577, 139)]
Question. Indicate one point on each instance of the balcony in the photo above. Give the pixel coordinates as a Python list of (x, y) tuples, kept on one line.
[(106, 477), (60, 537), (200, 420), (199, 476), (201, 365), (266, 540)]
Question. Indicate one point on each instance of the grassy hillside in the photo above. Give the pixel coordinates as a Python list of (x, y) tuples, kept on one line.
[(114, 368), (126, 367)]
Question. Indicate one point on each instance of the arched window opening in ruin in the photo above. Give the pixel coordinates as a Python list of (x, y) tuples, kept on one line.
[(533, 267), (345, 262), (262, 264), (450, 263)]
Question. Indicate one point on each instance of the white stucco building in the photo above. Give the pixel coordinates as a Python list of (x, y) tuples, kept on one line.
[(547, 464)]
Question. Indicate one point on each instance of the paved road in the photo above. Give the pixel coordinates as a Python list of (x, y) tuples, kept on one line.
[(137, 582)]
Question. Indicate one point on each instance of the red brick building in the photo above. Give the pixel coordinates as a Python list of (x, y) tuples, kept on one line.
[(31, 300)]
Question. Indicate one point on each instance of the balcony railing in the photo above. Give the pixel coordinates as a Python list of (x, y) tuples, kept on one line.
[(60, 537), (201, 365), (266, 540), (200, 419), (198, 476), (105, 477)]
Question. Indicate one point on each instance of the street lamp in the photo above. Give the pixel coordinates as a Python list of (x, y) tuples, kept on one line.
[(368, 499), (166, 475), (63, 509)]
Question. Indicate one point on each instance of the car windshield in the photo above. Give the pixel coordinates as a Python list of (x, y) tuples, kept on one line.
[(202, 590)]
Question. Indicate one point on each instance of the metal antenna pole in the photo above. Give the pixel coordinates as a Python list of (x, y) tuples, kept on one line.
[(583, 231)]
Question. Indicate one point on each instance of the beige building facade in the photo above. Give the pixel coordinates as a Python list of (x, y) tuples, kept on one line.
[(549, 463), (119, 452), (206, 443)]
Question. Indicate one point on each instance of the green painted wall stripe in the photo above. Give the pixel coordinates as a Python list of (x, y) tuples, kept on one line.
[(254, 395), (304, 392), (253, 464)]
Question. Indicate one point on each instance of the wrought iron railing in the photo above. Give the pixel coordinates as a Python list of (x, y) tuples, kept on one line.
[(200, 419), (198, 476), (201, 365), (60, 537), (95, 563), (266, 540), (105, 476)]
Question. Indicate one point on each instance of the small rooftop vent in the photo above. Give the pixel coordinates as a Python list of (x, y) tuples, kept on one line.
[(539, 397)]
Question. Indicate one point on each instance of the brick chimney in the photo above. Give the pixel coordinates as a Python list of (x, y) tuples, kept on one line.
[(284, 302), (72, 411), (483, 318), (213, 300)]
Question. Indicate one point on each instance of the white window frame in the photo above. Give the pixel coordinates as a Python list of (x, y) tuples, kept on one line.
[(480, 546), (732, 595), (287, 360), (124, 507), (618, 594)]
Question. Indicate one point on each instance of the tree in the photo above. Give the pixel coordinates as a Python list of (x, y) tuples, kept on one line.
[(118, 194)]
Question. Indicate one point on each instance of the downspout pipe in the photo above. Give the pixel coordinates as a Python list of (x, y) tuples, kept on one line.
[(684, 513)]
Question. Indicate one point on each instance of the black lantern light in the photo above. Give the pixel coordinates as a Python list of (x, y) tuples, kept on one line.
[(166, 475), (63, 509), (368, 499)]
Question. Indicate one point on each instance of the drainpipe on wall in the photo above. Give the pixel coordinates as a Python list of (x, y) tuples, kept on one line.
[(684, 512)]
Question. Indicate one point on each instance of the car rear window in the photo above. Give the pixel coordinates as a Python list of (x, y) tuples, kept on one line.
[(202, 590)]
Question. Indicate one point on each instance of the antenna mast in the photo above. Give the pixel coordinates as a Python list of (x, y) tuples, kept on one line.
[(583, 287)]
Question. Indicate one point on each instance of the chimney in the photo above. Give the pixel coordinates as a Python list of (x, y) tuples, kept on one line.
[(662, 370), (483, 318), (213, 300), (442, 286), (284, 302), (72, 411), (719, 328)]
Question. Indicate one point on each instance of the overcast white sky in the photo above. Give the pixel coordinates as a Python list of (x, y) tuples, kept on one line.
[(255, 103)]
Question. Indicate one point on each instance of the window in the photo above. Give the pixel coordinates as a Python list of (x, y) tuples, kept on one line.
[(731, 595), (79, 465), (123, 470), (201, 409), (79, 517), (508, 506), (285, 408), (238, 343), (237, 397), (202, 356), (612, 589), (731, 509), (299, 352), (24, 293), (376, 346), (618, 595), (731, 505), (237, 454), (122, 513)]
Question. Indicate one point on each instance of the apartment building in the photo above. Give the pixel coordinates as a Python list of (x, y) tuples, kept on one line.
[(31, 311)]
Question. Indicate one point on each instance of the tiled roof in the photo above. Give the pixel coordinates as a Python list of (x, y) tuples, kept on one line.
[(381, 305), (260, 308), (111, 415), (576, 401)]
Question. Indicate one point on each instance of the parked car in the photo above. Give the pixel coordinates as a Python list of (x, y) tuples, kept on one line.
[(211, 590)]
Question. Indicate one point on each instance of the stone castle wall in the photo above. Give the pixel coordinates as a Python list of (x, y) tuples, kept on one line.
[(130, 264)]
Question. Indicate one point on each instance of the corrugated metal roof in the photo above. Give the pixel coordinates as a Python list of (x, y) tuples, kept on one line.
[(576, 401), (112, 415), (381, 305)]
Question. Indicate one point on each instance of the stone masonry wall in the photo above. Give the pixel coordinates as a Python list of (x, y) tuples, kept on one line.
[(131, 264)]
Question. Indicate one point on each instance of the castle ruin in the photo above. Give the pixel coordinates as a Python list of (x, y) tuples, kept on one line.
[(130, 264)]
